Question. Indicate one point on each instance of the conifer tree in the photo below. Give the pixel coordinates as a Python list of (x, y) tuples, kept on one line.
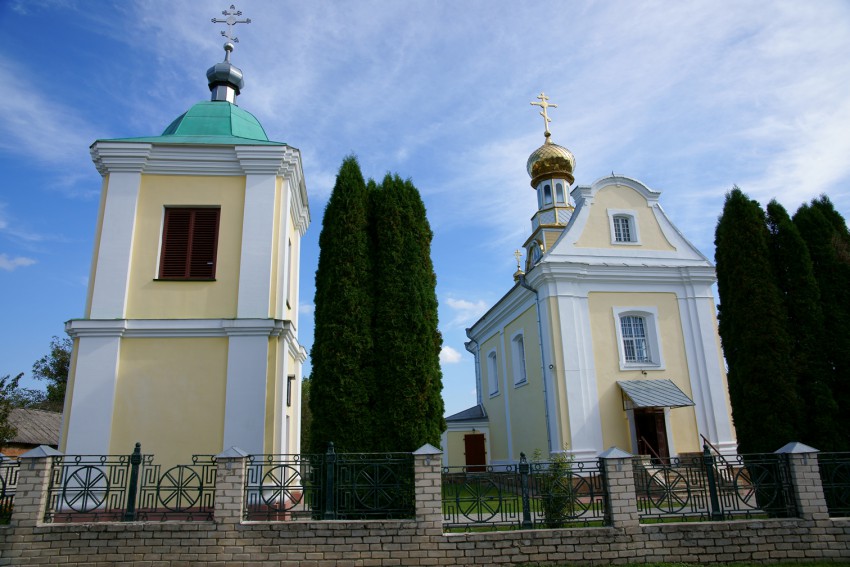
[(342, 346), (752, 328), (793, 273), (408, 403), (828, 242)]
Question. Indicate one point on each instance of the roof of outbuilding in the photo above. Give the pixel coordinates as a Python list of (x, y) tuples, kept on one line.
[(473, 413), (35, 427)]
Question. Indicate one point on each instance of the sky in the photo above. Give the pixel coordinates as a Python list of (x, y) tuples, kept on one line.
[(689, 97)]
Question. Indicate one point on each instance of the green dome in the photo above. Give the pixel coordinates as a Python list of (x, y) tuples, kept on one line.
[(217, 118)]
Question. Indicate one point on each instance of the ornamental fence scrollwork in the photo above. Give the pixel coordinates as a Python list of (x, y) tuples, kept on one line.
[(710, 487), (121, 488), (329, 486), (8, 486), (554, 494), (835, 478)]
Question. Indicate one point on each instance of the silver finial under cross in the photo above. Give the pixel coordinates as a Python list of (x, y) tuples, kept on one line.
[(231, 21), (545, 104)]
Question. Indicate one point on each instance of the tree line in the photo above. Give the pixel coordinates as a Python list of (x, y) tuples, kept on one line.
[(376, 381), (784, 321), (52, 368)]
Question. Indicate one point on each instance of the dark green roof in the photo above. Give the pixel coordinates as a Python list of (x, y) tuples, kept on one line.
[(214, 123)]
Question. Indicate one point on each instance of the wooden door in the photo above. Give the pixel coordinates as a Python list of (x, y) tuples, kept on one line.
[(476, 455)]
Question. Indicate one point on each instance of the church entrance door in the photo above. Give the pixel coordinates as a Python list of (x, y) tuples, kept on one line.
[(476, 455), (651, 433)]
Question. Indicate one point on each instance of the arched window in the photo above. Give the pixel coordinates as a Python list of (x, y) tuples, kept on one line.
[(624, 227), (635, 347), (492, 373), (638, 339), (518, 354), (559, 193), (547, 194)]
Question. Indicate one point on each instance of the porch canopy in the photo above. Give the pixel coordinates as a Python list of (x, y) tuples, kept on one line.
[(652, 394)]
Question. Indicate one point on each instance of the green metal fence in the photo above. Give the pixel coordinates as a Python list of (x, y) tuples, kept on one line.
[(8, 486), (553, 494), (835, 477)]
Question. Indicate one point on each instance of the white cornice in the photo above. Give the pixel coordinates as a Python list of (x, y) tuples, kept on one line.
[(110, 157), (161, 328), (492, 321)]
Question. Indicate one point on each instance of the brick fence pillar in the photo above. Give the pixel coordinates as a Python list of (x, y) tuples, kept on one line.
[(621, 508), (31, 493), (230, 485), (427, 461), (805, 475)]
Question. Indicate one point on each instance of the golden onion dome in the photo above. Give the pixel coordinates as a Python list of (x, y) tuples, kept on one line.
[(550, 160)]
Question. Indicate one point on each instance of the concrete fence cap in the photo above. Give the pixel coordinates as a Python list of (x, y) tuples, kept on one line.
[(615, 453), (40, 452), (796, 447), (427, 449), (232, 453)]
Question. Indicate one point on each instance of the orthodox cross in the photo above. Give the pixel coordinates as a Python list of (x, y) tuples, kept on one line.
[(231, 21), (518, 254), (545, 104)]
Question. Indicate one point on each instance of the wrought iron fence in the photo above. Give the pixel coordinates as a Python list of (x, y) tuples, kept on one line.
[(8, 486), (330, 486), (555, 494), (707, 487), (116, 488), (835, 477)]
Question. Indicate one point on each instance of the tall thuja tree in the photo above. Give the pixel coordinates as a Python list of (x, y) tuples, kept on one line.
[(828, 241), (408, 402), (794, 275), (341, 356), (753, 330)]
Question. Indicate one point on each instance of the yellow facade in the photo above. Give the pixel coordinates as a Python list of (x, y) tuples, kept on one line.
[(597, 231), (170, 397), (615, 427), (148, 298)]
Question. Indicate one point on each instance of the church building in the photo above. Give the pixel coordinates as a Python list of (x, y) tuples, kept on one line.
[(607, 338), (189, 341)]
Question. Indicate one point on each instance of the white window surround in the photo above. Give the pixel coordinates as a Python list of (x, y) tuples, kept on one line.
[(518, 359), (634, 233), (492, 374), (653, 339)]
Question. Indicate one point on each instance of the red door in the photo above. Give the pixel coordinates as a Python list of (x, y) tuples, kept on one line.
[(476, 456)]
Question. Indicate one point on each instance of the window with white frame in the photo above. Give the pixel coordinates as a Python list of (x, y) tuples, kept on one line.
[(492, 373), (638, 340), (518, 352), (624, 228)]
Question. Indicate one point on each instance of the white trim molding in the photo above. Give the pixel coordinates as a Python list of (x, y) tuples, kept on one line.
[(649, 314)]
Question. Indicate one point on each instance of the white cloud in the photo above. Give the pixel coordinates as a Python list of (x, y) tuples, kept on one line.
[(10, 264), (306, 309), (466, 312), (448, 355)]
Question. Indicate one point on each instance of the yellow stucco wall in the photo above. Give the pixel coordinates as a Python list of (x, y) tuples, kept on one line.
[(170, 397), (597, 231), (556, 347), (276, 246), (528, 412), (151, 299), (495, 406), (104, 188), (615, 427)]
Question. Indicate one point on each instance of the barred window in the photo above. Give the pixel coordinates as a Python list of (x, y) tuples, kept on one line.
[(189, 243), (623, 231), (635, 345)]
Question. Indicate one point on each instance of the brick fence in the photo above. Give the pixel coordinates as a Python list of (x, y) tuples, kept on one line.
[(228, 540)]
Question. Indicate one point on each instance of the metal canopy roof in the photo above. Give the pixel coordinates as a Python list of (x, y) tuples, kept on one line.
[(653, 394)]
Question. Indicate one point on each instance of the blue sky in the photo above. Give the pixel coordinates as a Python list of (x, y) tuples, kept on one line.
[(688, 97)]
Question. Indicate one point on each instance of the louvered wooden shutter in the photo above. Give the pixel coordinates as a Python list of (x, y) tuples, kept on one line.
[(189, 243)]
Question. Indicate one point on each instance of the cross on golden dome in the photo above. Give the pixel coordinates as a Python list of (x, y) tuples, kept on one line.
[(545, 104)]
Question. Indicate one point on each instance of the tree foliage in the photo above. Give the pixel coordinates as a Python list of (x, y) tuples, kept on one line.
[(53, 368), (376, 381), (8, 389), (342, 346), (784, 290)]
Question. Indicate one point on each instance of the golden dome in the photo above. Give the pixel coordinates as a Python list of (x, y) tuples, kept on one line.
[(550, 160)]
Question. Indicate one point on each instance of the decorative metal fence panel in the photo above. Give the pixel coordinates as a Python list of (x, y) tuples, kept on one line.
[(116, 488), (524, 496), (329, 486), (8, 487), (707, 487), (835, 476)]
